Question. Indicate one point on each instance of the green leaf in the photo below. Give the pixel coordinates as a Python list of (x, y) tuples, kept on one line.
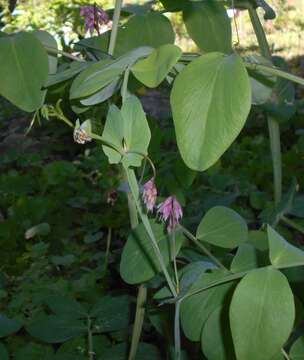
[(112, 313), (262, 314), (216, 336), (282, 254), (104, 72), (56, 329), (113, 132), (47, 40), (138, 260), (152, 29), (66, 74), (154, 69), (8, 326), (137, 133), (102, 95), (196, 309), (297, 349), (209, 26), (23, 70), (223, 227), (33, 352), (258, 239), (42, 229), (129, 131), (63, 305), (245, 259), (210, 100), (3, 352)]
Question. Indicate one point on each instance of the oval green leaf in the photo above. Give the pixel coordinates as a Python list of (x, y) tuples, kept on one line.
[(209, 26), (282, 254), (8, 326), (138, 261), (23, 70), (223, 227), (216, 336), (297, 349), (262, 313), (154, 69), (210, 100)]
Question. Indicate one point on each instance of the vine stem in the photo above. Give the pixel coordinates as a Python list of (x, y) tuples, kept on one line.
[(135, 193), (63, 53), (273, 126), (139, 320), (285, 354), (90, 339), (177, 334), (116, 17), (173, 255), (191, 237)]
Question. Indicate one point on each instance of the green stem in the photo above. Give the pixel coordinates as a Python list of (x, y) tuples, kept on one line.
[(116, 17), (124, 88), (63, 53), (274, 71), (273, 126), (177, 335), (139, 320), (135, 193), (90, 340), (285, 354), (173, 250), (275, 147), (292, 224), (202, 247), (108, 246), (259, 32)]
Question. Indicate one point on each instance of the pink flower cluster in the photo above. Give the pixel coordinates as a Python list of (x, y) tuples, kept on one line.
[(169, 211), (94, 17)]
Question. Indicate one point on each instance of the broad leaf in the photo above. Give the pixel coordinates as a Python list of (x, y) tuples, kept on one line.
[(209, 26), (297, 349), (112, 313), (138, 261), (137, 133), (282, 254), (56, 329), (196, 309), (23, 70), (223, 227), (153, 70), (245, 259), (33, 351), (66, 74), (129, 131), (262, 314), (48, 41), (104, 72), (63, 305), (216, 336), (113, 133), (8, 326), (102, 95), (3, 352), (210, 100), (151, 29)]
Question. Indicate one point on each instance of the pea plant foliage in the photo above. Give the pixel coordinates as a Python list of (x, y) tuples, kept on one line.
[(235, 300)]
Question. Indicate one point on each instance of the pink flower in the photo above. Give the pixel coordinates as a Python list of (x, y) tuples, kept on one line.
[(94, 17), (171, 211), (150, 194)]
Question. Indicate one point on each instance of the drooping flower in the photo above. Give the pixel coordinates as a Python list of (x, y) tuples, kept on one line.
[(170, 211), (94, 17), (82, 133), (149, 194)]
